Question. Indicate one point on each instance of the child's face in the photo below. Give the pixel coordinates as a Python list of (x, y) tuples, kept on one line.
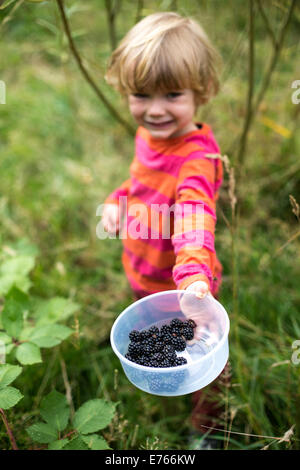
[(165, 115)]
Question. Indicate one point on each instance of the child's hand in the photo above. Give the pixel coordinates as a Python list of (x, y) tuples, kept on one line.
[(195, 312), (110, 218), (200, 288)]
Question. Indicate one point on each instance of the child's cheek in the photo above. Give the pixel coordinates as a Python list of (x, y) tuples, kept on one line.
[(136, 111)]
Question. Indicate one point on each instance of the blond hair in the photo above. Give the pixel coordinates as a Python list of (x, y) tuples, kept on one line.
[(165, 52)]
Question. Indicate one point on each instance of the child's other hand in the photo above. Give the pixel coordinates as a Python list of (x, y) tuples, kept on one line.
[(110, 218)]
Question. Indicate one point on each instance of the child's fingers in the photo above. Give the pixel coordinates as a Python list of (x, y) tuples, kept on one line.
[(110, 219)]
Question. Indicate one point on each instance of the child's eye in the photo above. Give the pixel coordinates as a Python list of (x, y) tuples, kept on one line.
[(140, 95), (174, 94)]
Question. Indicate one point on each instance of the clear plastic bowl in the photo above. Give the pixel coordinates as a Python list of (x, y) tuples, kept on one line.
[(206, 357)]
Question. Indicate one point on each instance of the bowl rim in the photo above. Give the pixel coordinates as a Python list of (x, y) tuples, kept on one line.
[(169, 369)]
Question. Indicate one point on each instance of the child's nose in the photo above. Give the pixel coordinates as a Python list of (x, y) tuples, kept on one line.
[(156, 107)]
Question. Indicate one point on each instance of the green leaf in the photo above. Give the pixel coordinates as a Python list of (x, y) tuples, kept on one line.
[(96, 442), (16, 304), (42, 432), (55, 410), (4, 338), (9, 396), (8, 373), (23, 246), (57, 445), (6, 3), (14, 271), (54, 310), (28, 353), (48, 336), (93, 415), (77, 443)]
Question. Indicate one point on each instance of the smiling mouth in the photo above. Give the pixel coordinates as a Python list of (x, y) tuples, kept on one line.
[(159, 124)]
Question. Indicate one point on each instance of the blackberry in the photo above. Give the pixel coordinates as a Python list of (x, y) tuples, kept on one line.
[(154, 347), (188, 332), (166, 363), (153, 331), (142, 360), (170, 355), (191, 323), (179, 344), (159, 346), (176, 323), (134, 349), (155, 383), (168, 338), (176, 331), (130, 358), (154, 363), (165, 329), (134, 335), (144, 335), (169, 348), (180, 361), (147, 349), (159, 357)]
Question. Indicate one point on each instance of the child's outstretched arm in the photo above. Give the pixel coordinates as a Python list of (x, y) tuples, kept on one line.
[(194, 225)]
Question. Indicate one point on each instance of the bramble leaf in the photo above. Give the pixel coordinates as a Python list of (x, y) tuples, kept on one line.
[(96, 442), (57, 445), (47, 336), (14, 271), (42, 432), (9, 396), (94, 415), (28, 353), (55, 410), (77, 443), (54, 310), (8, 373)]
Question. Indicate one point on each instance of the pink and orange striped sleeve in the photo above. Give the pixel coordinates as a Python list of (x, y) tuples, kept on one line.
[(195, 219), (113, 198)]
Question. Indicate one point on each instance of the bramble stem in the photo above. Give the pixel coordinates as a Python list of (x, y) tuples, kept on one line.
[(8, 430)]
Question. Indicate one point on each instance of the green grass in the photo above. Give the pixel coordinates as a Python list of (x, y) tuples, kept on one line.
[(62, 153)]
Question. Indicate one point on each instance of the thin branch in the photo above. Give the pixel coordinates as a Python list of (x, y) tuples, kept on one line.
[(267, 23), (249, 113), (275, 56), (8, 430), (11, 13), (112, 8), (85, 73), (252, 111)]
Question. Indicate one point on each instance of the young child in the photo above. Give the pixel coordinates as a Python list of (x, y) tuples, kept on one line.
[(166, 68)]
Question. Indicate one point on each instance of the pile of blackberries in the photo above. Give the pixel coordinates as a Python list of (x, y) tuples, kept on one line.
[(157, 347)]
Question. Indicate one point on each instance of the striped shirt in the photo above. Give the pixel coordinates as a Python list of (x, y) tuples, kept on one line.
[(168, 208)]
